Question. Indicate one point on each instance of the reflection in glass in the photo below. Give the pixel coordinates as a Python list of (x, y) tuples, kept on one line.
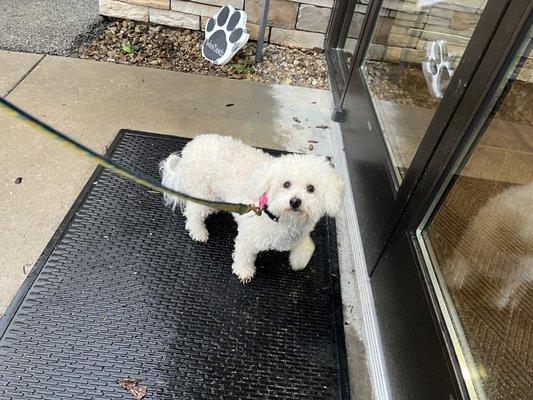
[(415, 48), (355, 24), (480, 243)]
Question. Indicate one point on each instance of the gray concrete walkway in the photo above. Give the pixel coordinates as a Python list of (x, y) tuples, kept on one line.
[(53, 27)]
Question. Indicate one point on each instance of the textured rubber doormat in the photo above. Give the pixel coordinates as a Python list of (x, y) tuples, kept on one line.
[(123, 292)]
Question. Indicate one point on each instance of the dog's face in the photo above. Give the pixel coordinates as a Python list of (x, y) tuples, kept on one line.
[(302, 186)]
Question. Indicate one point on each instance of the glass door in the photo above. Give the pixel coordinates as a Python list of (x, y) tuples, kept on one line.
[(344, 30), (478, 246), (453, 288), (411, 64), (413, 54)]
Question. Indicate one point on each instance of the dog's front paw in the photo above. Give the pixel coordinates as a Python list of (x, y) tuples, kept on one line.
[(299, 261), (198, 232), (301, 255), (245, 273)]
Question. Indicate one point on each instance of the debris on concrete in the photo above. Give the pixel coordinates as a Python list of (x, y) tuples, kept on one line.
[(176, 49), (18, 181)]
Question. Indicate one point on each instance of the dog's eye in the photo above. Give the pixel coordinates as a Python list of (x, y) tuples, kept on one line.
[(310, 188), (287, 185)]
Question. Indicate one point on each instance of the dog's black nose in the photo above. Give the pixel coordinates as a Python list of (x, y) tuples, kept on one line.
[(295, 203)]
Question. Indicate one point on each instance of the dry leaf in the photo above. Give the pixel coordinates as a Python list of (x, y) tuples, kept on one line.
[(132, 385)]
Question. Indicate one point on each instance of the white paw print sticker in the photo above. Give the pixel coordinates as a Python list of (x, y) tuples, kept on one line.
[(225, 34), (437, 68)]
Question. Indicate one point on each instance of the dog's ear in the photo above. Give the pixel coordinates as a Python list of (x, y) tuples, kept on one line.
[(333, 193), (262, 178)]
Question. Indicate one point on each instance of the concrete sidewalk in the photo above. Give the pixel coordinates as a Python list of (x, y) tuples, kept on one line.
[(92, 101), (54, 27)]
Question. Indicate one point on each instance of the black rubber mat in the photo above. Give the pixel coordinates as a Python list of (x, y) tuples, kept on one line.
[(122, 291)]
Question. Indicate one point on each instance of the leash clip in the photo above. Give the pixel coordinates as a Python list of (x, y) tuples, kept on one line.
[(256, 209), (263, 208), (260, 210)]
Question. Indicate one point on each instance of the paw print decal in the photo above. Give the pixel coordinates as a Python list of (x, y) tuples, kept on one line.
[(437, 68), (225, 34)]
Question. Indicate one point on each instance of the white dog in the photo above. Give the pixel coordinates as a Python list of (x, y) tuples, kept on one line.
[(297, 190)]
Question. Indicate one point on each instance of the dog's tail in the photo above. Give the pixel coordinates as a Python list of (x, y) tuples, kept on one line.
[(169, 169)]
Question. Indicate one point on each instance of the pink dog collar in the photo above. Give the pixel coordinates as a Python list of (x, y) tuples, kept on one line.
[(263, 201), (263, 205)]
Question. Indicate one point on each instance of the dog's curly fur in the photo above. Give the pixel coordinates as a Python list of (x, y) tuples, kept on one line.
[(222, 168)]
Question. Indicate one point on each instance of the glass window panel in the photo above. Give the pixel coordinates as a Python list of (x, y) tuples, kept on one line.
[(480, 247), (415, 48), (355, 24)]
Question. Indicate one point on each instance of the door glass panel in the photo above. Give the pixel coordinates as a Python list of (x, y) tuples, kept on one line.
[(353, 12), (414, 51), (354, 25), (479, 245)]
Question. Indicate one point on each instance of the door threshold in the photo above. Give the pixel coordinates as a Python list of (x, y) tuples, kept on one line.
[(359, 311)]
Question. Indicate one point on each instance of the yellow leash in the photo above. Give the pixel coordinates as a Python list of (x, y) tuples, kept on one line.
[(40, 126)]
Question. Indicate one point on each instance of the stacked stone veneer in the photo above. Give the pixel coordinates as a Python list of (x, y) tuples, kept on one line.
[(404, 29), (298, 23), (402, 33)]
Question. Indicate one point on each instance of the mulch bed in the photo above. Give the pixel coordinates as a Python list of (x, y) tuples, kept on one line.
[(132, 43)]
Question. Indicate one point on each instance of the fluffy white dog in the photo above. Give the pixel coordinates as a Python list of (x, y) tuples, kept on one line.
[(297, 190)]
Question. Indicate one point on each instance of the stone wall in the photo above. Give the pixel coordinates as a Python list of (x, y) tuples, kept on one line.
[(295, 23), (404, 29), (402, 34)]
